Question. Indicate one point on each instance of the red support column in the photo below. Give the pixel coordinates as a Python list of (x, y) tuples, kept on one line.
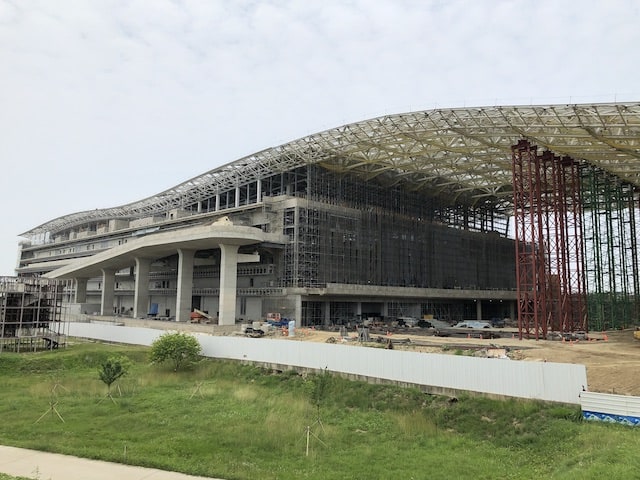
[(549, 243), (574, 289), (567, 234), (530, 248)]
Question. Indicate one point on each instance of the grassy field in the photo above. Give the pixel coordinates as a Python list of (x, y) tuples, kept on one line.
[(235, 421)]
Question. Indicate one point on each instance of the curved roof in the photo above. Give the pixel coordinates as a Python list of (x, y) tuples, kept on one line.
[(465, 152)]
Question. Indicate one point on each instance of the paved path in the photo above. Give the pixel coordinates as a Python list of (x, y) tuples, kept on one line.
[(52, 466)]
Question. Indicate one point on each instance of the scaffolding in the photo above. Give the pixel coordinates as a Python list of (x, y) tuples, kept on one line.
[(31, 317), (549, 243), (347, 230), (611, 240), (576, 245), (342, 229)]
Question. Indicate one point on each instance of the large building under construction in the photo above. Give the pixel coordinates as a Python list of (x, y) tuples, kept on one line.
[(526, 212)]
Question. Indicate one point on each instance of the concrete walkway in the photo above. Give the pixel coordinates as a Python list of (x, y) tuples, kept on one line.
[(52, 466)]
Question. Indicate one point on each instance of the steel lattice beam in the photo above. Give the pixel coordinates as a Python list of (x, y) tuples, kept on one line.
[(466, 152)]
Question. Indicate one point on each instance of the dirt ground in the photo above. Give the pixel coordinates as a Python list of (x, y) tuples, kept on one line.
[(612, 360), (613, 365)]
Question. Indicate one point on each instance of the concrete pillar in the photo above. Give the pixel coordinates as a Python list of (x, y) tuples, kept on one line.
[(217, 202), (478, 310), (327, 313), (200, 206), (298, 310), (228, 283), (185, 284), (108, 287), (141, 289), (259, 190), (237, 201), (81, 290)]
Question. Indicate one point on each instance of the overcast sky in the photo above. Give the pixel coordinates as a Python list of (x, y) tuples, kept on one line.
[(106, 102)]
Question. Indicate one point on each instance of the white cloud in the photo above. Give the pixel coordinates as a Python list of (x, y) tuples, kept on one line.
[(110, 101)]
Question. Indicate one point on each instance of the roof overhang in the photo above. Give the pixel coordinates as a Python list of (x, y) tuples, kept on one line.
[(462, 153), (164, 244)]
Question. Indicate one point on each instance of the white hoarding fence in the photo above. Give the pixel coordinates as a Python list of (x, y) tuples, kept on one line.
[(608, 407), (555, 382)]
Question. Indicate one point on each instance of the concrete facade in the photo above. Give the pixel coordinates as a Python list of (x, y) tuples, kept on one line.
[(234, 268), (143, 251)]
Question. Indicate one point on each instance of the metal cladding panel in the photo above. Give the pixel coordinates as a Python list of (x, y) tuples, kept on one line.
[(114, 333), (606, 403), (539, 380), (555, 382)]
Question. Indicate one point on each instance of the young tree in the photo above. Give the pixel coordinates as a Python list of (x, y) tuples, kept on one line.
[(318, 386), (112, 369), (179, 348)]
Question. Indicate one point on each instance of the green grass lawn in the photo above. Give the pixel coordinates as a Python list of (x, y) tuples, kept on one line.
[(235, 421)]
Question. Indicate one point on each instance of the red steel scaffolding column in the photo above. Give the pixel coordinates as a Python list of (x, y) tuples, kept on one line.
[(549, 248), (530, 271), (566, 236)]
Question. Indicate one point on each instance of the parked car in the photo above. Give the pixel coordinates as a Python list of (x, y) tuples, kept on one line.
[(407, 321), (498, 322), (472, 324), (424, 324)]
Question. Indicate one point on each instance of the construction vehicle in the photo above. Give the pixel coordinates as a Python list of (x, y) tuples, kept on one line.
[(198, 316)]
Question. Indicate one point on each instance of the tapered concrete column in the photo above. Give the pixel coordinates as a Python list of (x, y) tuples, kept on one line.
[(478, 309), (81, 290), (185, 284), (228, 283), (141, 292), (108, 287)]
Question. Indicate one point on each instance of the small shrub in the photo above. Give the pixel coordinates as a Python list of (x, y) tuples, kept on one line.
[(179, 348)]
